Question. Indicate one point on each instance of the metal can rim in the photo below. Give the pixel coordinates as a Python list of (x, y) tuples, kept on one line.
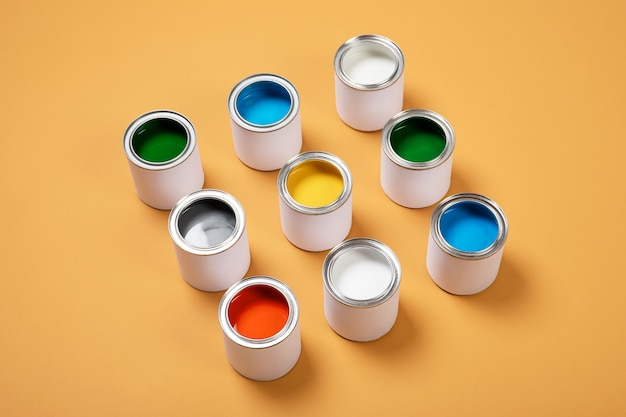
[(153, 115), (315, 156), (186, 201), (381, 40), (495, 209), (361, 242), (284, 333), (425, 114), (294, 109)]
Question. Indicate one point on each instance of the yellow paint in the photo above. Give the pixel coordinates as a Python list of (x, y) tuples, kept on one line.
[(315, 183)]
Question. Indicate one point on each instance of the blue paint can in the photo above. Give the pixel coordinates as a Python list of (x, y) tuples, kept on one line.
[(466, 243), (265, 120)]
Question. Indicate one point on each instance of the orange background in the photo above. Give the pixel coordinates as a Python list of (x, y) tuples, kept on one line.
[(95, 319)]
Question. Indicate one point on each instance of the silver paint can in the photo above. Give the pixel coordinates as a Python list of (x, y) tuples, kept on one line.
[(466, 243), (259, 317), (265, 120), (416, 158), (163, 157), (361, 289), (315, 197), (369, 81), (208, 229)]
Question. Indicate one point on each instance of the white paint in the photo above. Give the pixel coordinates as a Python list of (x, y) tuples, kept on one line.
[(212, 230), (361, 273), (369, 63)]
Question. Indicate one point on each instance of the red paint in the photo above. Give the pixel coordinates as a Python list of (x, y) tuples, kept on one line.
[(258, 312)]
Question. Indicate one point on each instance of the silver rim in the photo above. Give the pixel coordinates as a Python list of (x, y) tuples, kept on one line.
[(314, 156), (207, 194), (234, 113), (498, 213), (229, 295), (154, 115), (341, 248), (377, 39), (424, 114)]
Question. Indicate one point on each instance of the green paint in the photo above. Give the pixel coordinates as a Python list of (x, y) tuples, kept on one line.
[(159, 140), (418, 139)]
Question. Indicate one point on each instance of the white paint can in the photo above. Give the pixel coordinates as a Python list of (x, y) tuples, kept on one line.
[(416, 158), (265, 120), (259, 317), (163, 157), (208, 228), (361, 289), (315, 198), (466, 243), (369, 81)]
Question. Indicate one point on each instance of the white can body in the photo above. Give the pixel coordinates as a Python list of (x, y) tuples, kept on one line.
[(218, 265), (265, 146), (218, 271), (315, 228), (453, 264), (414, 188), (461, 276), (360, 324), (369, 81), (162, 184), (368, 110), (271, 356), (361, 289), (264, 364), (416, 184), (316, 232)]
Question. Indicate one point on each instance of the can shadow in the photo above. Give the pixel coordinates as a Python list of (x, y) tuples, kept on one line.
[(400, 340), (506, 292), (294, 383), (415, 100)]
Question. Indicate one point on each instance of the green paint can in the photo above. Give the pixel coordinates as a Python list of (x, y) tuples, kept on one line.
[(163, 157), (416, 158)]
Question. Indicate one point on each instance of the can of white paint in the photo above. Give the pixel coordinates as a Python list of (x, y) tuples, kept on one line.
[(369, 81), (361, 289)]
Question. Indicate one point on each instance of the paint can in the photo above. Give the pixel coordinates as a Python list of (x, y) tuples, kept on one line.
[(416, 158), (163, 156), (259, 317), (361, 289), (265, 120), (369, 81), (466, 242), (315, 197), (208, 228)]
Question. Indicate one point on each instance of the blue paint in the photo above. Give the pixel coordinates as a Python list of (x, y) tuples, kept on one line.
[(468, 226), (263, 103)]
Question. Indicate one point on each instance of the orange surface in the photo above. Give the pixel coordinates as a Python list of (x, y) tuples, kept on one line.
[(95, 319)]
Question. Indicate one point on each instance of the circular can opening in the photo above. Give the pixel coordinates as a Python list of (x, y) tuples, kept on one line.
[(315, 183), (263, 103), (369, 63), (418, 139), (469, 226), (361, 273), (159, 140), (207, 223), (258, 312)]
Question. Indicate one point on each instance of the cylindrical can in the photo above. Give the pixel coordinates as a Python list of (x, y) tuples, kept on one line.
[(163, 156), (416, 158), (361, 289), (208, 228), (259, 317), (265, 120), (369, 81), (315, 197), (466, 242)]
